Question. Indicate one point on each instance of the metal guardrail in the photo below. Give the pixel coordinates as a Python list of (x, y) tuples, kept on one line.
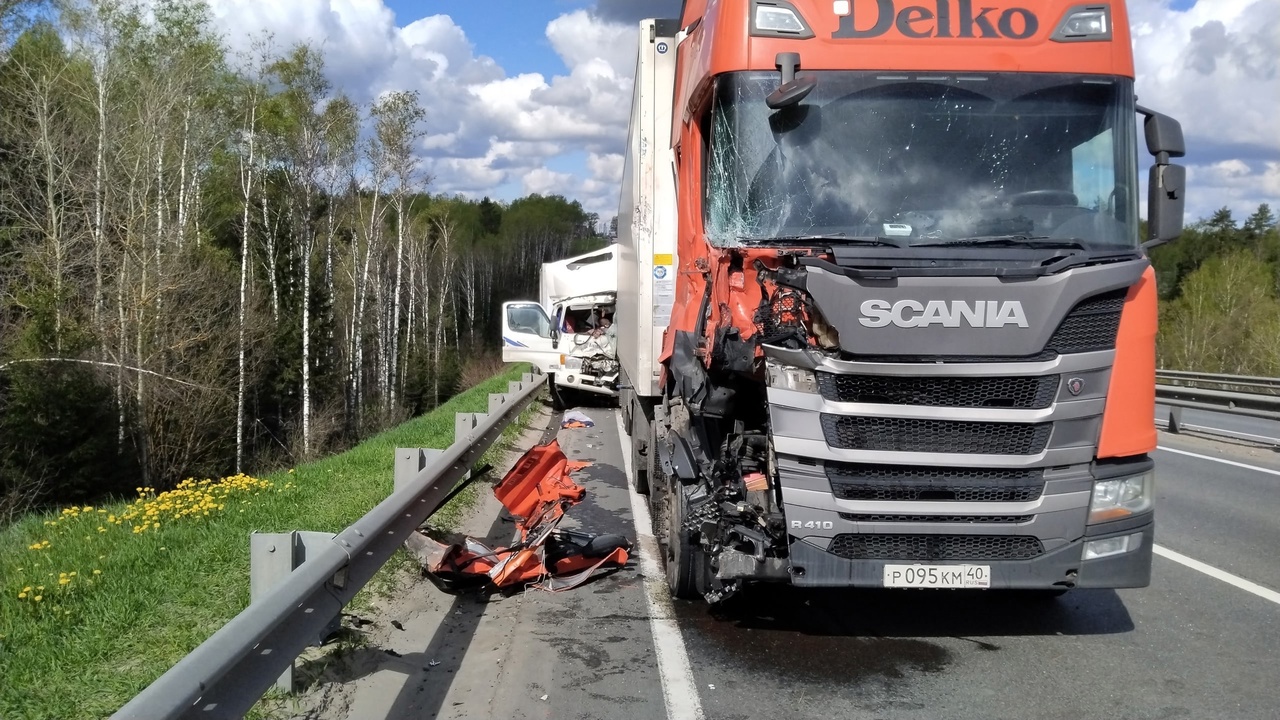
[(1256, 397), (1216, 392), (229, 672)]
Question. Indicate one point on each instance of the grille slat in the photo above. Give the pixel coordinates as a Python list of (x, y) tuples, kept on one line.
[(970, 519), (935, 547), (939, 436), (852, 481), (1004, 392)]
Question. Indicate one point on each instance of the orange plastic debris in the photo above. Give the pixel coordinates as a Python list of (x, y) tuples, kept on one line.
[(537, 491)]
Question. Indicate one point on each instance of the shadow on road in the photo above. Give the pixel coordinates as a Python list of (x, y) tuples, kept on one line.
[(829, 634)]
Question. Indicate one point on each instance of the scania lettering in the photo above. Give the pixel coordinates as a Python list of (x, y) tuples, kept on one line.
[(911, 313), (887, 316)]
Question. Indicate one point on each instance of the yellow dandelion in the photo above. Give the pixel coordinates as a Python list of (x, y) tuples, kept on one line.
[(38, 598), (22, 596), (64, 581), (99, 572), (155, 526), (88, 508)]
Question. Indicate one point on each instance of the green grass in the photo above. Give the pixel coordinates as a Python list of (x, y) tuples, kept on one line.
[(90, 645)]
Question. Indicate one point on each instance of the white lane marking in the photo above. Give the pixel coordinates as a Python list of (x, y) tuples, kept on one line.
[(1269, 471), (673, 660), (1224, 576)]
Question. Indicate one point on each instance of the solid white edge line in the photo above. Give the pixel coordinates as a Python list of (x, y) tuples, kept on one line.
[(1213, 572), (1269, 471), (674, 671)]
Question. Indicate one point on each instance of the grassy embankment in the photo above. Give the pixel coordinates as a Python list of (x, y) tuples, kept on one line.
[(96, 602)]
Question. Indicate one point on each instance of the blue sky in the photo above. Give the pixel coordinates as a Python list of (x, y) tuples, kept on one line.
[(508, 31), (534, 96)]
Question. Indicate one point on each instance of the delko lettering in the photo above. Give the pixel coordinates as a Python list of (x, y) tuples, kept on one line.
[(919, 21), (913, 313)]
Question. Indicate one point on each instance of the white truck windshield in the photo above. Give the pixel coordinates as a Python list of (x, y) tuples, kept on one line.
[(924, 158)]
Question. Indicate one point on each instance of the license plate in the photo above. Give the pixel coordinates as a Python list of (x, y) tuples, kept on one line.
[(937, 576)]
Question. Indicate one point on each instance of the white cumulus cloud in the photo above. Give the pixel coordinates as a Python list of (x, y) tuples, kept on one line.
[(1215, 67)]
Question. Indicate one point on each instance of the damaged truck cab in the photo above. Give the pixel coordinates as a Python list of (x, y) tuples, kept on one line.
[(568, 334), (895, 324)]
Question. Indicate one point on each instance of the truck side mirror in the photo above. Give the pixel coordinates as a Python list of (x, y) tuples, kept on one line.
[(1166, 200), (1167, 182), (1164, 135)]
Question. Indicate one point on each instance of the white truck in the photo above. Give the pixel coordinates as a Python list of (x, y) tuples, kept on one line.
[(568, 333), (647, 243)]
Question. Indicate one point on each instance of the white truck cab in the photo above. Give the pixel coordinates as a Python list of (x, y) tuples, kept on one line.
[(570, 334)]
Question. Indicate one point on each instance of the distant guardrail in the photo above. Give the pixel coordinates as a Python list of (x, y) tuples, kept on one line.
[(302, 580), (1257, 397)]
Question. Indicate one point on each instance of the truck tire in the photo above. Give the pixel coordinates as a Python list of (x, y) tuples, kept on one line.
[(658, 482), (684, 556)]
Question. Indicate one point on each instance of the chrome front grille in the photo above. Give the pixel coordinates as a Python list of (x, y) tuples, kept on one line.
[(935, 547), (855, 481), (853, 432), (994, 392)]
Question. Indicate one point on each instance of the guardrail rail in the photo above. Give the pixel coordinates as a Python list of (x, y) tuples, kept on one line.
[(229, 672), (1257, 397)]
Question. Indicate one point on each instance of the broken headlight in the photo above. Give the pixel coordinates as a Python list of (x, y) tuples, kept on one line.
[(787, 377)]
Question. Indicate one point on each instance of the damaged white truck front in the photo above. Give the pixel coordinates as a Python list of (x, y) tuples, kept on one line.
[(569, 335)]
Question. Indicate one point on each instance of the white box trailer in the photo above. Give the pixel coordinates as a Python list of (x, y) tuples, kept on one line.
[(565, 334), (647, 236)]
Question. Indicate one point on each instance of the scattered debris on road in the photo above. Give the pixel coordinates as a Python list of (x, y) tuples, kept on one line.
[(537, 492), (576, 419)]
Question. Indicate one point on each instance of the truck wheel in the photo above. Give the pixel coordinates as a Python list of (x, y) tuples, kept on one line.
[(684, 563), (658, 482)]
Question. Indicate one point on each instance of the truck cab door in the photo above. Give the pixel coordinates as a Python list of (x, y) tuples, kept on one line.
[(526, 335)]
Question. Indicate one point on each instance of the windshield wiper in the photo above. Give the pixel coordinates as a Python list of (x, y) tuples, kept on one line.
[(835, 238), (1031, 241)]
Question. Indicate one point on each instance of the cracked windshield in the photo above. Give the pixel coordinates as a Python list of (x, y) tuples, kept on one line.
[(917, 159)]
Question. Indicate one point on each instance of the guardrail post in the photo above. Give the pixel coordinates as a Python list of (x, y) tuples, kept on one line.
[(410, 462), (1175, 420), (272, 557), (463, 424), (496, 401)]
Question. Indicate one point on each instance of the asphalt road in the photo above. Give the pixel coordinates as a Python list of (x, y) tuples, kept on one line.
[(1190, 646)]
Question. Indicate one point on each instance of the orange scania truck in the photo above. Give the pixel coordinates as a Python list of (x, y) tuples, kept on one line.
[(886, 316)]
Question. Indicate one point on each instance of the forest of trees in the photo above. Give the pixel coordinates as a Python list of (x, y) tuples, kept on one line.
[(213, 262), (1220, 296)]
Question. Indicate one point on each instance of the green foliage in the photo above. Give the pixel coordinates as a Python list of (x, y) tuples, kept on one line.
[(92, 643), (144, 170), (1220, 310)]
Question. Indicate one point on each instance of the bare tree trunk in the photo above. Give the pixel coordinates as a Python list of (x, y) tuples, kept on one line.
[(395, 317), (246, 188), (269, 239)]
